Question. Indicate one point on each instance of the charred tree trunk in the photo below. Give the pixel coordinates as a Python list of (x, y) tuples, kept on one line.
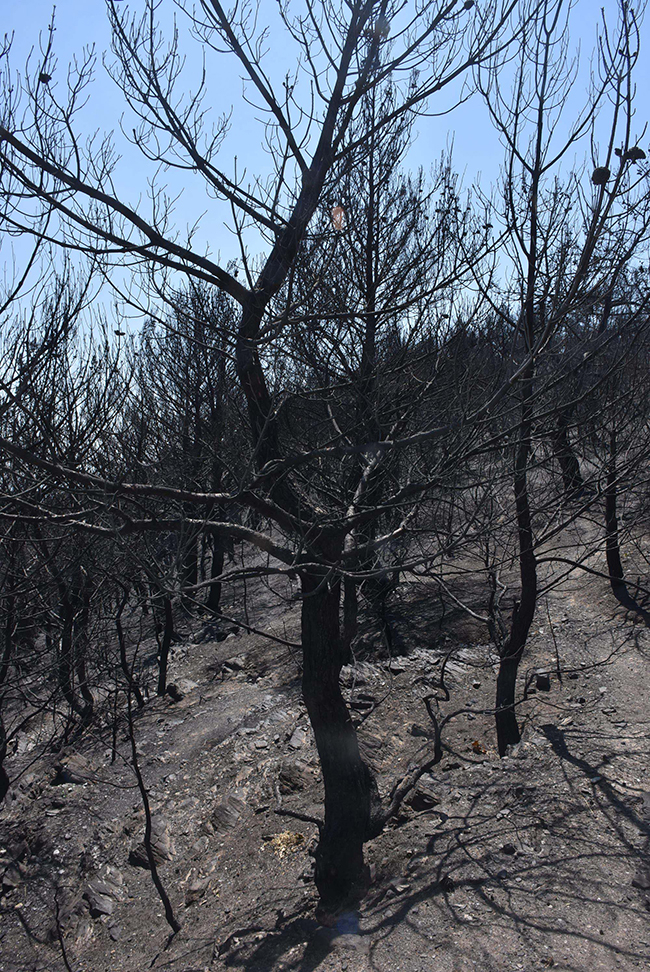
[(349, 785), (165, 643), (507, 726), (566, 457), (4, 778), (66, 657), (127, 670), (612, 548), (350, 615), (612, 541), (7, 652), (82, 618), (188, 567), (213, 601)]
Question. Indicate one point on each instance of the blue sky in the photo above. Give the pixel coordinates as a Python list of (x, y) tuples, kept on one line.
[(477, 153)]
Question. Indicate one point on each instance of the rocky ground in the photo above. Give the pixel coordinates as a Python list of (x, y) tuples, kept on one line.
[(539, 860)]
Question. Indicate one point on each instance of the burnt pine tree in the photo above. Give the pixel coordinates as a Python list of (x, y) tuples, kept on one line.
[(345, 50)]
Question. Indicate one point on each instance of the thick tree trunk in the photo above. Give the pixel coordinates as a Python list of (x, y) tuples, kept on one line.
[(506, 719), (349, 785)]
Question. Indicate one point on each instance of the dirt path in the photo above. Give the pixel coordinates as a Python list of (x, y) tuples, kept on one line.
[(536, 861)]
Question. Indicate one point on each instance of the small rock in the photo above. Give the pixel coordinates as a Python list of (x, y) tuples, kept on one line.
[(509, 849), (395, 666), (83, 931), (186, 685), (115, 931), (174, 692), (400, 887), (196, 890), (100, 904), (227, 814), (235, 664), (424, 796), (641, 879), (19, 851), (543, 682), (11, 879), (416, 730), (201, 845), (298, 738), (294, 775), (74, 770), (161, 845)]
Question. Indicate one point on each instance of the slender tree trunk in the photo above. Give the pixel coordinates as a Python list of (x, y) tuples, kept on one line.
[(167, 636), (569, 465), (80, 648), (350, 614), (127, 670), (612, 548), (522, 616), (189, 571), (216, 569), (66, 657), (7, 652), (612, 542), (349, 785), (4, 778)]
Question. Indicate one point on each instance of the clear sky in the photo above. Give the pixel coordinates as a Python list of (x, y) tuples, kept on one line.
[(477, 153)]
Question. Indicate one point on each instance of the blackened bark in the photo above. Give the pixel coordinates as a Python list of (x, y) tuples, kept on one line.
[(4, 778), (522, 616), (612, 549), (167, 637), (565, 454), (213, 602), (127, 670), (66, 656), (82, 619), (189, 573), (7, 652), (172, 921), (350, 614), (350, 789), (612, 542)]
